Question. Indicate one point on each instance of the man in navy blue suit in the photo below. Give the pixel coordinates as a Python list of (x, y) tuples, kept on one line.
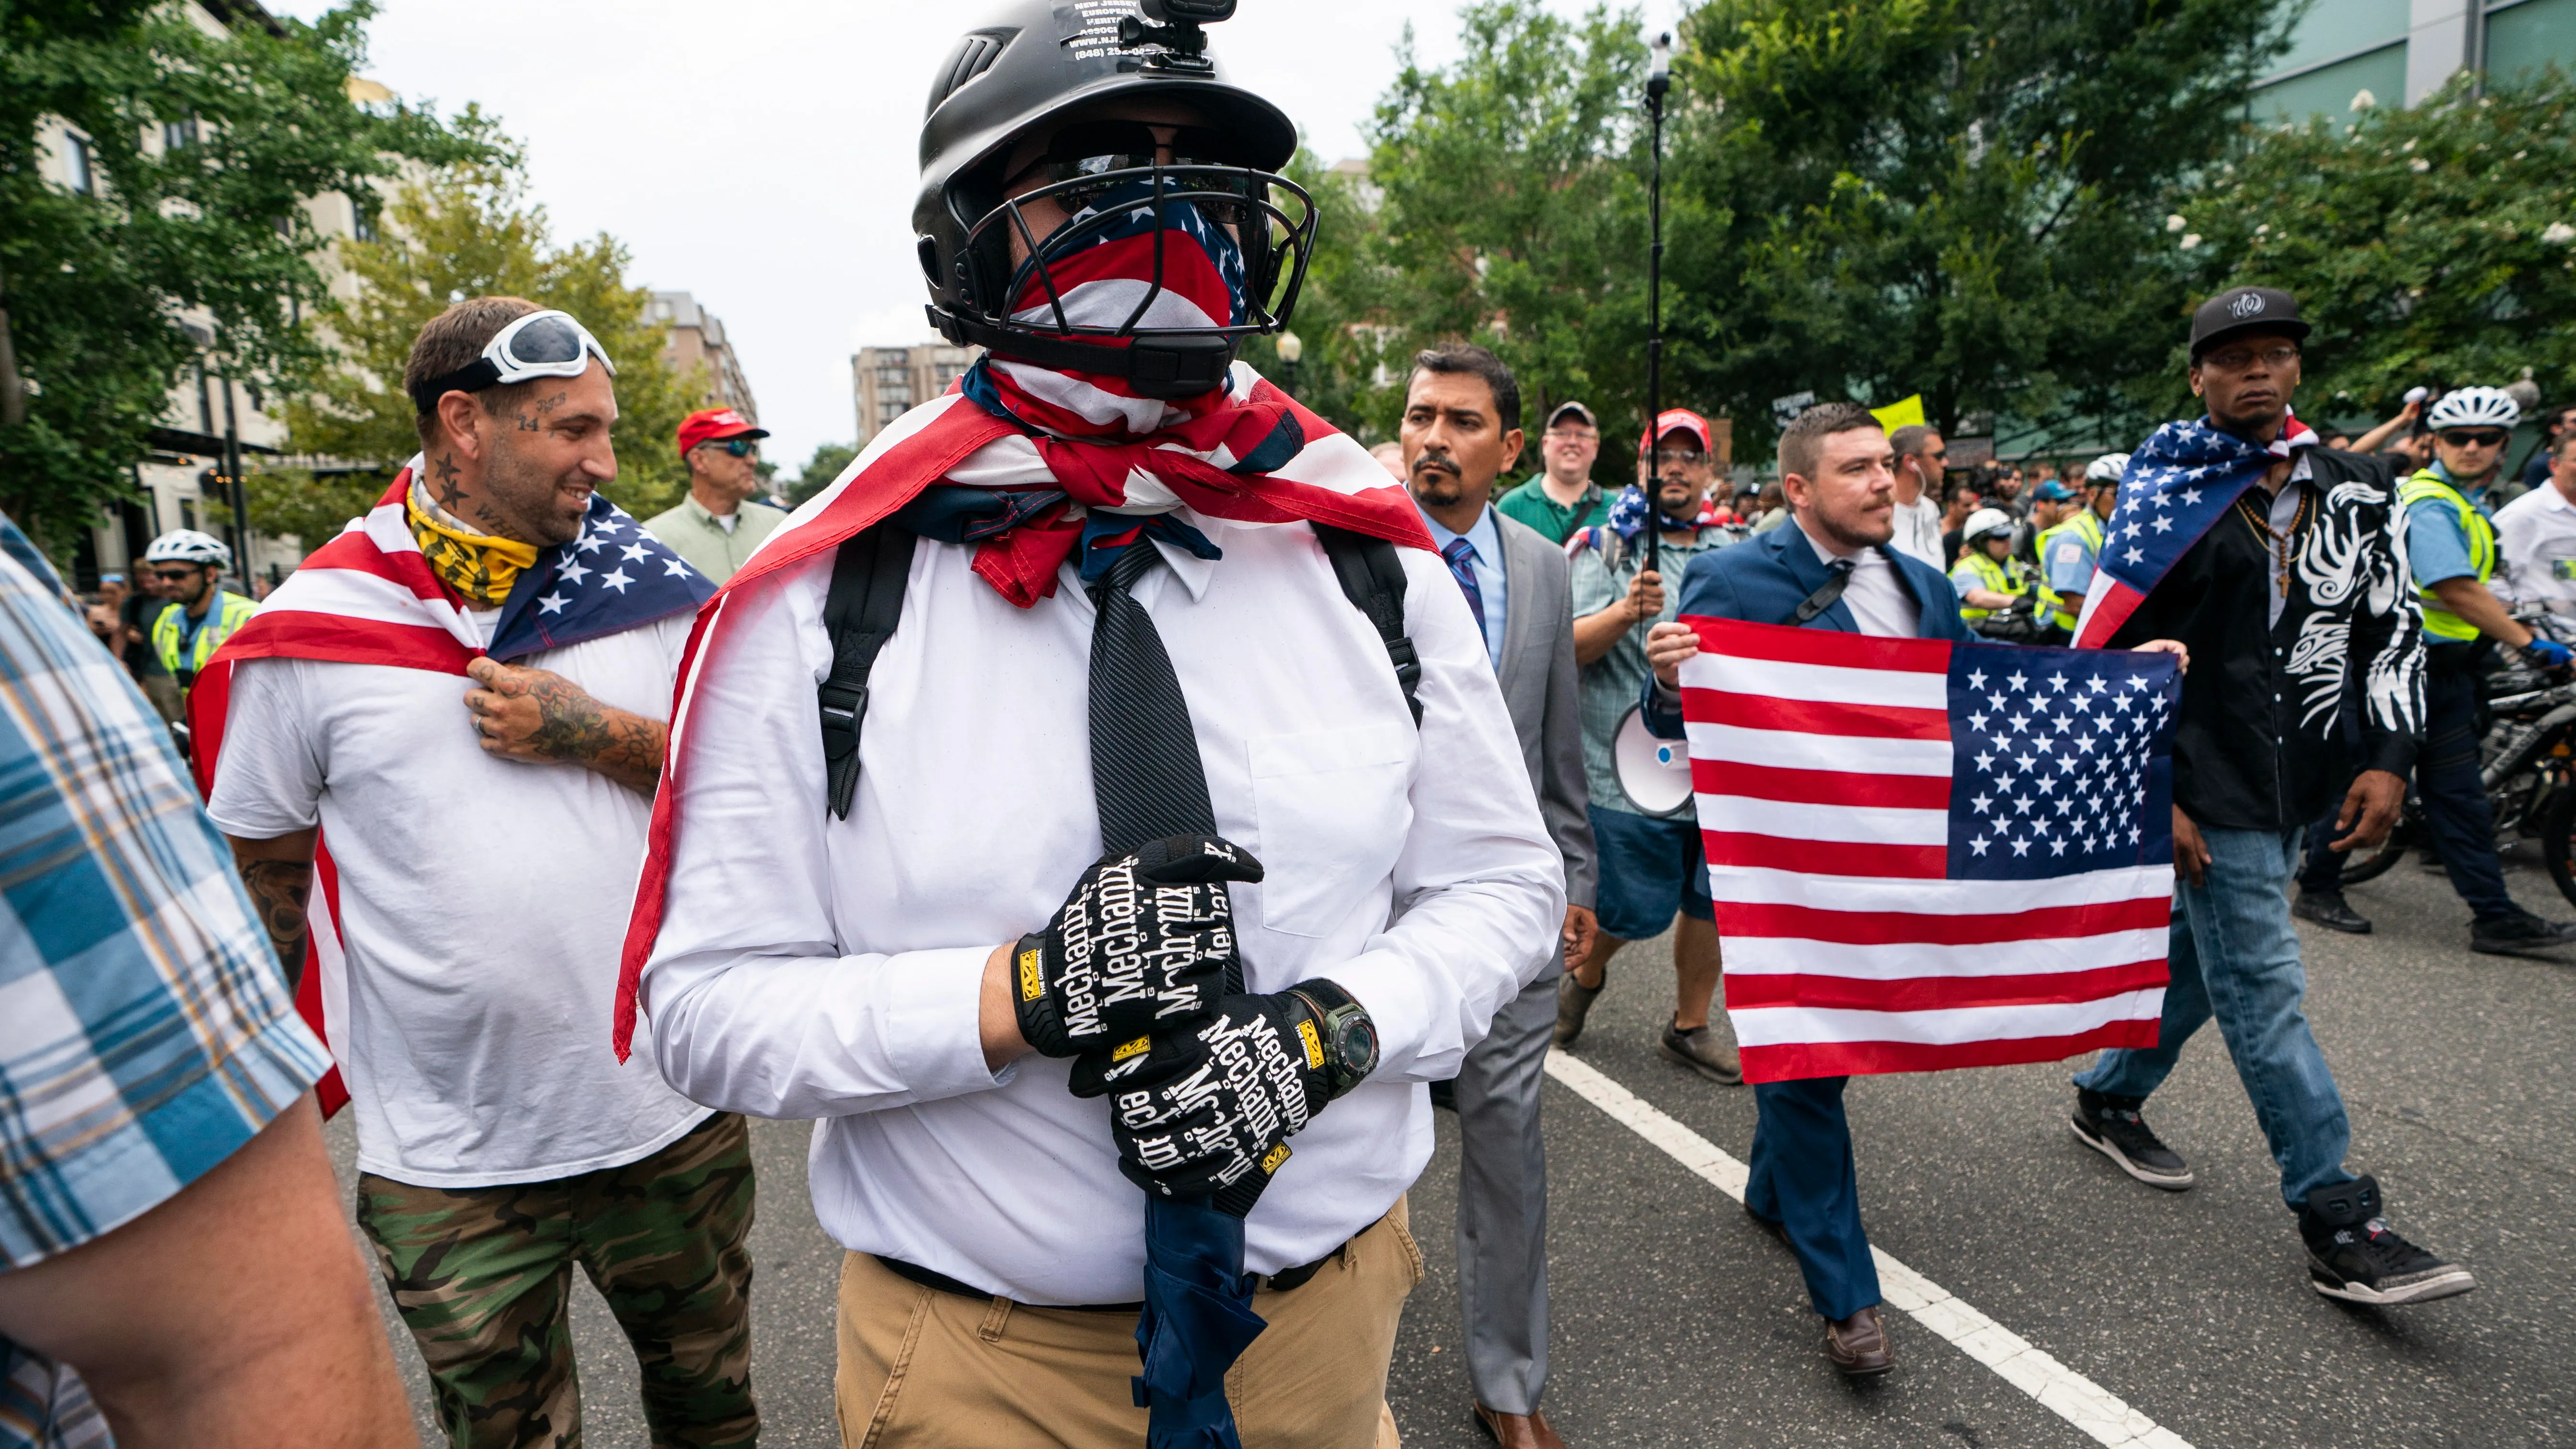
[(1832, 569)]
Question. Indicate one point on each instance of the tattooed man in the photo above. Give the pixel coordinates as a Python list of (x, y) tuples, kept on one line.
[(460, 701)]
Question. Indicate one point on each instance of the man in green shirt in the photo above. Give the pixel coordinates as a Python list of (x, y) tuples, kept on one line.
[(1562, 498), (718, 525)]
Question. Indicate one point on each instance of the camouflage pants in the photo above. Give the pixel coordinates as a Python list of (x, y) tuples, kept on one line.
[(483, 1278)]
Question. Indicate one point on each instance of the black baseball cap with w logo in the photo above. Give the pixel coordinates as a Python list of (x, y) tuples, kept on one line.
[(2241, 311)]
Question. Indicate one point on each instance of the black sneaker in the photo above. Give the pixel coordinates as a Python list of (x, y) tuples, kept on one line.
[(2521, 931), (2353, 1253), (2330, 910), (2113, 1127)]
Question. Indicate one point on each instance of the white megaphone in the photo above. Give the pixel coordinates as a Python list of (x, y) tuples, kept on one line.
[(1654, 773)]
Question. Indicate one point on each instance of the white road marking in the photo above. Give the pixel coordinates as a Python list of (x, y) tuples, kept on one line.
[(2059, 1389)]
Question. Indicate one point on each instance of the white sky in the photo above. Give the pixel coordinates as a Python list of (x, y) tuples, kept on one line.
[(762, 154)]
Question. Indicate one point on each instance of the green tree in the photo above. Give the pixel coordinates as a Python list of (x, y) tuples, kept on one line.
[(826, 465), (1515, 206), (1962, 198), (467, 230), (1340, 314), (2427, 244), (95, 285)]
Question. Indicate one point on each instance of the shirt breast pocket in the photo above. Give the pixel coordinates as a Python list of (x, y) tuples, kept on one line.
[(1333, 810)]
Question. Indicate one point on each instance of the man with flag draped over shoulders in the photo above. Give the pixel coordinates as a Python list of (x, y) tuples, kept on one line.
[(2282, 565), (1085, 809), (435, 749)]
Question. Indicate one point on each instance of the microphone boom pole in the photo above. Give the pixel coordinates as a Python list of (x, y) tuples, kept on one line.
[(1659, 80)]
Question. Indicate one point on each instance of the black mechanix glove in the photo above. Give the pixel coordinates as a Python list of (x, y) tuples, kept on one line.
[(1206, 1110), (1144, 938)]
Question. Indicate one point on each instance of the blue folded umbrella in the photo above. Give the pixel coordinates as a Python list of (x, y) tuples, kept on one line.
[(1198, 1320)]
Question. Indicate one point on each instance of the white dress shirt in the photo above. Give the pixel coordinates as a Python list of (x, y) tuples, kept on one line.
[(1880, 603), (1485, 536), (2536, 548), (813, 967)]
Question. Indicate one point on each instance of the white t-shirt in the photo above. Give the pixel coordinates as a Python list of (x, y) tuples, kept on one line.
[(483, 903), (2536, 544), (1918, 531)]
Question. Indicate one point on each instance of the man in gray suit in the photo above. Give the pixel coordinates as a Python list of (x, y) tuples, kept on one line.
[(1462, 414)]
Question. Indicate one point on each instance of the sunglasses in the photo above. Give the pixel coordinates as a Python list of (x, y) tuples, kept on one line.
[(2475, 438), (1102, 149), (740, 447), (174, 576)]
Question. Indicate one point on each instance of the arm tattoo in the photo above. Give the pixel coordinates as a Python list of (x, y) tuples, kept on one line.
[(574, 727), (279, 890)]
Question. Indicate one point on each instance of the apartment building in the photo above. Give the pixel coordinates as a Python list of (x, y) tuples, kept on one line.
[(698, 340), (887, 381)]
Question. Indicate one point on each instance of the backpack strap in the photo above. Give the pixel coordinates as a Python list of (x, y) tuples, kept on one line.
[(1372, 578), (860, 613)]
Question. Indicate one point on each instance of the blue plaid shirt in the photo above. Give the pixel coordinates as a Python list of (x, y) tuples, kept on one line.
[(146, 1032)]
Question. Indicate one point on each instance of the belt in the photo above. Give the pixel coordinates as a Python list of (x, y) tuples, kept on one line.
[(1284, 1281)]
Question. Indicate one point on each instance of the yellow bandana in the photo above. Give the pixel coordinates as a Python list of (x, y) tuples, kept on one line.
[(477, 565)]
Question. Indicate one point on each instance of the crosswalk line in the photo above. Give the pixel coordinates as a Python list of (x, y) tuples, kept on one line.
[(2088, 1406)]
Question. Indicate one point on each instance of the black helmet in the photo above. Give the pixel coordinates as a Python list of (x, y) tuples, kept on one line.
[(1041, 61)]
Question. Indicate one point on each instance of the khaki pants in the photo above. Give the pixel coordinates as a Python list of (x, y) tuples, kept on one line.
[(922, 1367)]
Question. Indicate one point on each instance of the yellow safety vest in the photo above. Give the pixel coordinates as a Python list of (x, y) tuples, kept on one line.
[(2429, 486), (2087, 523), (228, 612), (2003, 578)]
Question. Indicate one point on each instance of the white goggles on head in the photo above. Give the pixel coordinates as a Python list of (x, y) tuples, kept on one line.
[(541, 344)]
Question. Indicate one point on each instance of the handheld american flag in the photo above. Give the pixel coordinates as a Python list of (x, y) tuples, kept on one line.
[(2179, 482), (1928, 855)]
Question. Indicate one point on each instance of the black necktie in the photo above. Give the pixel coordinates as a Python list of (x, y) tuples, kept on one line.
[(1145, 770)]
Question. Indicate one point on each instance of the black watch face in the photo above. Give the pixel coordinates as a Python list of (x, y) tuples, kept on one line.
[(1355, 1044)]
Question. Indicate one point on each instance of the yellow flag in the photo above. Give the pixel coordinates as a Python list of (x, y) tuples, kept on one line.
[(1905, 414)]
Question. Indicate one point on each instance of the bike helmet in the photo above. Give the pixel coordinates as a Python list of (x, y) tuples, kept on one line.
[(2109, 468), (1040, 62), (187, 545), (1985, 521), (2473, 407)]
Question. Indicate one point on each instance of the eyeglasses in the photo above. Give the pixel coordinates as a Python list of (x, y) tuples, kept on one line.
[(2475, 438), (1675, 458), (1102, 148), (541, 344), (740, 447), (1574, 435), (2238, 359)]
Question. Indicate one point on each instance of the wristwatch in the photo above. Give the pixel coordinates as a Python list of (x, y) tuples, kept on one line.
[(1345, 1036)]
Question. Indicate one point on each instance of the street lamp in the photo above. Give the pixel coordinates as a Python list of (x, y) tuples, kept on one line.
[(1291, 347)]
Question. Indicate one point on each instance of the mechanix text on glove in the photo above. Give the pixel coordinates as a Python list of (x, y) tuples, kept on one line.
[(1208, 1111), (1144, 938)]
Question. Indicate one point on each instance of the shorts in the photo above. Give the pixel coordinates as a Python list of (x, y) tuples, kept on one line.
[(1651, 867)]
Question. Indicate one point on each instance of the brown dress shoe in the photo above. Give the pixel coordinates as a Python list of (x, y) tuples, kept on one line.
[(1519, 1431), (1858, 1345)]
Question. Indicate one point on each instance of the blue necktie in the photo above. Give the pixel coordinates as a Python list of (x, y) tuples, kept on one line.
[(1462, 558)]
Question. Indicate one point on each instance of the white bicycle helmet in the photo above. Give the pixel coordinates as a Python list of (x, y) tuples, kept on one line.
[(1985, 521), (2109, 468), (187, 545), (2473, 407)]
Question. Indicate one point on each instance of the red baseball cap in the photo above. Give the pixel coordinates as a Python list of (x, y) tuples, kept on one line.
[(1679, 420), (706, 425)]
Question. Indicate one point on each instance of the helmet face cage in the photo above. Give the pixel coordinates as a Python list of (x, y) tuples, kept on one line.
[(1276, 246)]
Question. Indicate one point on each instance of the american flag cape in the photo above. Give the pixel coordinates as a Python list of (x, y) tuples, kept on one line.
[(368, 597), (1259, 457), (1927, 855), (2181, 480)]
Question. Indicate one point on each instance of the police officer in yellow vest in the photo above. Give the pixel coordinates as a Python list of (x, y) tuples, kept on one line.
[(188, 565), (2451, 547), (2068, 552), (1989, 579)]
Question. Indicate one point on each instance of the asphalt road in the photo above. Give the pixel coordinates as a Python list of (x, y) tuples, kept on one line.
[(1677, 1323)]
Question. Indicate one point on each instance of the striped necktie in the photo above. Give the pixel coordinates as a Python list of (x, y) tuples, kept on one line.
[(1462, 557)]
